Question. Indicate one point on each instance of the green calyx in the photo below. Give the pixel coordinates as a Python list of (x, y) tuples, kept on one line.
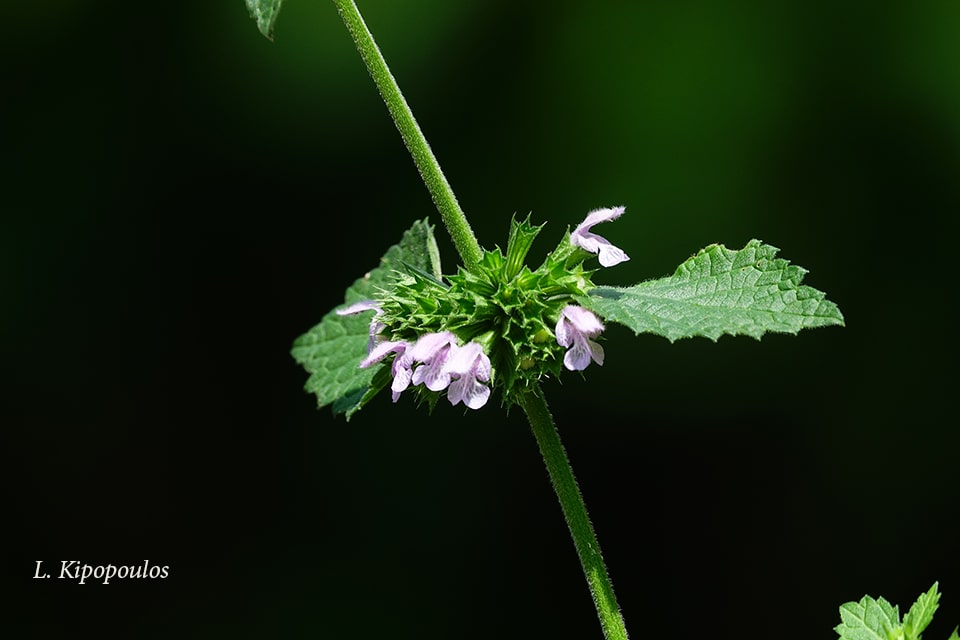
[(509, 309)]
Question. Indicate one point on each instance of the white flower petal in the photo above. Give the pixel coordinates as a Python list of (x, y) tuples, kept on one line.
[(359, 307), (610, 255), (401, 377), (467, 390), (596, 352), (434, 375), (577, 358), (583, 321)]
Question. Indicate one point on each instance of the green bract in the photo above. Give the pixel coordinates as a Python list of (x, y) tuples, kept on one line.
[(509, 309), (503, 305)]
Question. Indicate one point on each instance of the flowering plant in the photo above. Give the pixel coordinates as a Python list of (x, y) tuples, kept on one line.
[(502, 325), (445, 334), (497, 326)]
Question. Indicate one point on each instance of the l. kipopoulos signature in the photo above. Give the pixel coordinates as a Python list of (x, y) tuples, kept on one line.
[(82, 573)]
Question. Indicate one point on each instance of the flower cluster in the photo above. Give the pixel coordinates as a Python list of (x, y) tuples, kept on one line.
[(443, 364), (501, 317)]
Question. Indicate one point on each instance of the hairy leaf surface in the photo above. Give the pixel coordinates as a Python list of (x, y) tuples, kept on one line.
[(921, 613), (872, 619), (720, 291), (868, 619)]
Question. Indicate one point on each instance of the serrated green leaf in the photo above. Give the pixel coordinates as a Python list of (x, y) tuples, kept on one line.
[(719, 291), (955, 635), (332, 350), (921, 613), (868, 619), (265, 13)]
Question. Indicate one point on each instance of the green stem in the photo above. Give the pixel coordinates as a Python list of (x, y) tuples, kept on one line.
[(437, 185), (532, 401), (575, 512)]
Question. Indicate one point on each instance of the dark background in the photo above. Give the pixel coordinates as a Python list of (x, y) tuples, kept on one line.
[(182, 198)]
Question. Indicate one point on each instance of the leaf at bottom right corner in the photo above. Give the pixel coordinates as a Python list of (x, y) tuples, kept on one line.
[(868, 619), (921, 613)]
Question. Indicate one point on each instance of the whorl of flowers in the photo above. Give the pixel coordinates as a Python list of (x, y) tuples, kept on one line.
[(498, 325)]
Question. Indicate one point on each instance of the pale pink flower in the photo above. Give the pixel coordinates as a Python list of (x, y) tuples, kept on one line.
[(443, 365), (400, 368), (432, 350), (469, 367), (608, 254), (574, 329)]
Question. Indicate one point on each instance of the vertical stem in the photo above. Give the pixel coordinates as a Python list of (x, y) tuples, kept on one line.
[(575, 512), (443, 196), (532, 401)]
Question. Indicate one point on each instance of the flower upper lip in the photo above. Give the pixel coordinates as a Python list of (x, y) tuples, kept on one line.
[(402, 363), (375, 325), (432, 350)]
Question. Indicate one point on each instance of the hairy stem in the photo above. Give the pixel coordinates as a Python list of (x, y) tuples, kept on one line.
[(443, 196), (575, 512), (532, 401)]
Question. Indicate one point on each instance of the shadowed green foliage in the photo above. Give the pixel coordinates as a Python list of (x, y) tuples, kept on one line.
[(265, 13), (332, 350)]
